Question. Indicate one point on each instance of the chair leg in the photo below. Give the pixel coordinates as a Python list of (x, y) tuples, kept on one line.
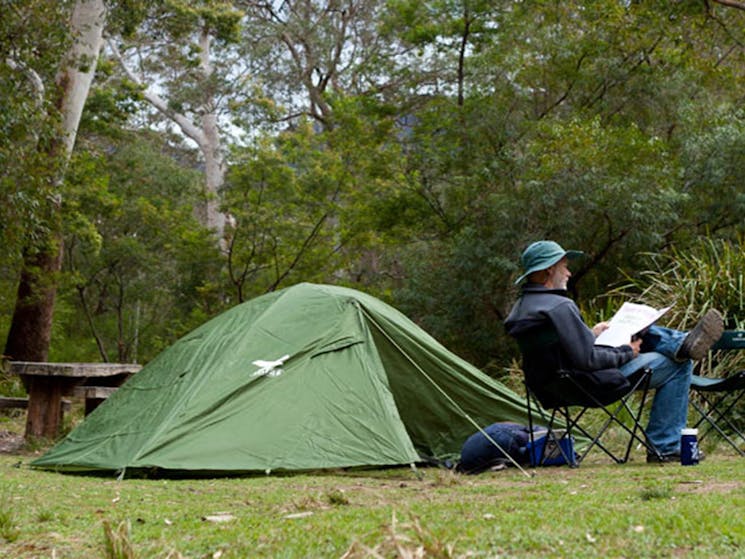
[(571, 460), (595, 439), (550, 436), (528, 399), (721, 416), (642, 387), (641, 384)]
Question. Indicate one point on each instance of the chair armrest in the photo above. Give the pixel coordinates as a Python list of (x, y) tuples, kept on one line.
[(731, 339)]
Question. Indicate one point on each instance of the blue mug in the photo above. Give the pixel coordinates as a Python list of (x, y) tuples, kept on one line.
[(689, 447)]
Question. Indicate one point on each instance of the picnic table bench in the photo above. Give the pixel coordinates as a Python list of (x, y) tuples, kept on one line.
[(10, 402), (47, 383)]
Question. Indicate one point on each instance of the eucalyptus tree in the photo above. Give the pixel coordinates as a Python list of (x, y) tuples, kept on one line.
[(28, 63), (182, 55), (61, 89)]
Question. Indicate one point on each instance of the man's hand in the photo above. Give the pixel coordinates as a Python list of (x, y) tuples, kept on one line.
[(636, 345), (599, 328)]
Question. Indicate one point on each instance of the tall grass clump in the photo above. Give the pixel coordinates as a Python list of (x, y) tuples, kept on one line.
[(9, 530), (710, 273), (408, 540), (117, 542)]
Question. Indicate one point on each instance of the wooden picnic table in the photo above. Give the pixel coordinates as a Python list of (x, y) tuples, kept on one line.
[(47, 383)]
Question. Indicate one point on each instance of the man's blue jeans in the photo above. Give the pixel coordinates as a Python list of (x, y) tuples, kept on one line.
[(671, 380)]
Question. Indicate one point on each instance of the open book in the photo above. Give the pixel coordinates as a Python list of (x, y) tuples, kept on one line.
[(631, 319)]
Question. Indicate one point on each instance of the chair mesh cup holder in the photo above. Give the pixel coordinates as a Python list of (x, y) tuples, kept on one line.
[(551, 448)]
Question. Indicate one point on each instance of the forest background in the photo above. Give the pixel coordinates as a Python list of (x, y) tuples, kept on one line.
[(410, 149)]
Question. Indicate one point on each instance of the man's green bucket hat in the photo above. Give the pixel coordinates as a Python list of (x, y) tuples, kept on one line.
[(541, 255)]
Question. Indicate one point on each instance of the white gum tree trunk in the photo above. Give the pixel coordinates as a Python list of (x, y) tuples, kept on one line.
[(203, 131), (210, 146), (76, 74)]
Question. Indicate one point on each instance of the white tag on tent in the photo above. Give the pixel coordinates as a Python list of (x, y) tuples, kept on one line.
[(269, 368)]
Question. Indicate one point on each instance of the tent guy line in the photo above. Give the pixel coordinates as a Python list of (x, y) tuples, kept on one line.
[(447, 396)]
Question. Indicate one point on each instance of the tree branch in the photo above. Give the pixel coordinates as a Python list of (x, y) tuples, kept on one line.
[(731, 4), (186, 125), (36, 83), (299, 254), (91, 325)]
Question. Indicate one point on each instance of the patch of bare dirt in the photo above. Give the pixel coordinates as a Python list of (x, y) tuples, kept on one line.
[(708, 486)]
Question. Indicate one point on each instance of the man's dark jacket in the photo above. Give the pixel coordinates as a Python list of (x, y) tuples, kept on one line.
[(552, 336)]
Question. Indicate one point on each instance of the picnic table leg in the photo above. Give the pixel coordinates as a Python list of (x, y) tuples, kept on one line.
[(45, 412)]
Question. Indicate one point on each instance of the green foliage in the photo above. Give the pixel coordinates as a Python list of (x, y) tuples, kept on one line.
[(304, 204), (282, 200), (454, 291), (31, 37), (135, 255), (220, 18), (714, 173), (111, 102), (11, 385)]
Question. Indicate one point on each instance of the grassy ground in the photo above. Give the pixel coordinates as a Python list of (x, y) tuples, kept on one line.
[(598, 510)]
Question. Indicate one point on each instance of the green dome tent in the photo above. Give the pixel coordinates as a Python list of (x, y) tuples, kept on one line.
[(312, 376)]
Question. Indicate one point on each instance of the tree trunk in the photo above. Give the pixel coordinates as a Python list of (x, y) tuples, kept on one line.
[(30, 331), (79, 66), (214, 169), (213, 160)]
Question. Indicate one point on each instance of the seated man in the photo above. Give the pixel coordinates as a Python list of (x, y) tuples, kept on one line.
[(668, 353)]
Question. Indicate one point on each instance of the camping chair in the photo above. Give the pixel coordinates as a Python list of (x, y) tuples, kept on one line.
[(569, 395), (715, 398), (566, 413)]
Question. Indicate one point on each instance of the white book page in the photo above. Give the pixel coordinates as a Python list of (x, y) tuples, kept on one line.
[(630, 319)]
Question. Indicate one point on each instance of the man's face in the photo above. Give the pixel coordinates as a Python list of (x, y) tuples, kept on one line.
[(558, 275)]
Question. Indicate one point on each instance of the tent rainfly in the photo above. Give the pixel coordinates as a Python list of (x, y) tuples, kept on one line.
[(312, 376)]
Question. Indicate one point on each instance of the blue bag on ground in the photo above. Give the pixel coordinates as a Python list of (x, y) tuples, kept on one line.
[(479, 453)]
